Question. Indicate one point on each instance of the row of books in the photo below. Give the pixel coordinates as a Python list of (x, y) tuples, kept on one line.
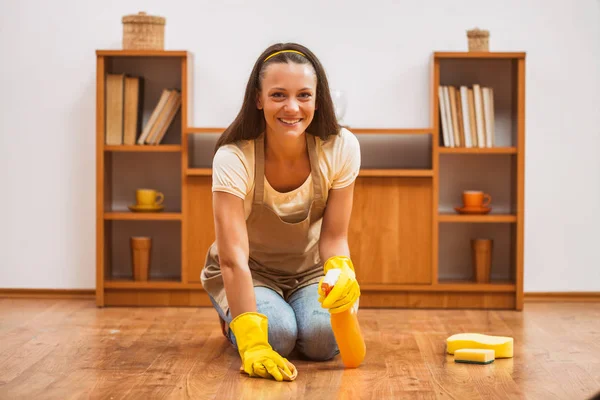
[(124, 108), (467, 115)]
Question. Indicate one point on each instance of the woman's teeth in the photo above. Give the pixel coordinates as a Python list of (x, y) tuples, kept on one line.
[(290, 121)]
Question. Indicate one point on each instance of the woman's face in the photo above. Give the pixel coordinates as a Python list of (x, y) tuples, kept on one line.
[(288, 97)]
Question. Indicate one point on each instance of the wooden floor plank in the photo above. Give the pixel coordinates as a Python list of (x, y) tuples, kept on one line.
[(168, 372), (71, 349), (215, 361), (85, 343), (29, 342)]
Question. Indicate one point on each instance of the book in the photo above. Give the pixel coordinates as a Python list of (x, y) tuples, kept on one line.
[(443, 119), (155, 113), (454, 114), (166, 116), (466, 115), (477, 95), (472, 118), (451, 142), (115, 101), (132, 114)]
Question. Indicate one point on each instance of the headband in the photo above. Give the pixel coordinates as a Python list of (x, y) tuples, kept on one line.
[(284, 51)]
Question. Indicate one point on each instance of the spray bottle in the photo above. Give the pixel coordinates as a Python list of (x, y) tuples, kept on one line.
[(346, 328)]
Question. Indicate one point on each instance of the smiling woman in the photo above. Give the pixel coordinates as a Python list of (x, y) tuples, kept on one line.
[(251, 122), (283, 181), (287, 98)]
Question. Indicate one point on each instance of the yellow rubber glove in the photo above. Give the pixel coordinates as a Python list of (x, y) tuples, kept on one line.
[(258, 357), (346, 290)]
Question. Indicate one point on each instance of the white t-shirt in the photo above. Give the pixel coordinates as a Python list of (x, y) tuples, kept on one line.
[(233, 172)]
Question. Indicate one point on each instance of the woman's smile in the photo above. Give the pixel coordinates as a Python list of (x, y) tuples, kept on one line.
[(289, 121)]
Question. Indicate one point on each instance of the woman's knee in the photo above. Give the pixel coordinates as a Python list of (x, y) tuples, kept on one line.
[(282, 336), (282, 327), (316, 340)]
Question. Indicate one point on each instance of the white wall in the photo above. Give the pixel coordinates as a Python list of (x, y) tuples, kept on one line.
[(378, 51)]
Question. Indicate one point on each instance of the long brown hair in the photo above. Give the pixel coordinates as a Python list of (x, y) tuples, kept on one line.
[(250, 121)]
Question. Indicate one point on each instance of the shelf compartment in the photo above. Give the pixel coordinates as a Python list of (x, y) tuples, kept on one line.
[(487, 218), (201, 149), (498, 73), (382, 154), (477, 150), (492, 174), (167, 148), (131, 216), (395, 152), (455, 254), (158, 73), (127, 171), (165, 255)]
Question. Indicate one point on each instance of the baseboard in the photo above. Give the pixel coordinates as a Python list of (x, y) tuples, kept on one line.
[(88, 294), (529, 297), (580, 297)]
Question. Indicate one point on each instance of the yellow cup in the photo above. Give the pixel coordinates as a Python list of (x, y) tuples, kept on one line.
[(148, 197)]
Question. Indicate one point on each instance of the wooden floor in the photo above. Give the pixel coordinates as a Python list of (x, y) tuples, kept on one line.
[(63, 349)]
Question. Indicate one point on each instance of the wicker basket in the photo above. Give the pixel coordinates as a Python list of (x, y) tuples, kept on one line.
[(143, 32), (478, 40)]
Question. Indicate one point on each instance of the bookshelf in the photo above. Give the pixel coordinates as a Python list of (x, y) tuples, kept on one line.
[(498, 170), (121, 169), (410, 247)]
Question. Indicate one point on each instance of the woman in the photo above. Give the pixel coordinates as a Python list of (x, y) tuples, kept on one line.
[(283, 180)]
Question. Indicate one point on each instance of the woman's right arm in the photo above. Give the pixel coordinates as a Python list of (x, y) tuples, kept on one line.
[(232, 245), (250, 327)]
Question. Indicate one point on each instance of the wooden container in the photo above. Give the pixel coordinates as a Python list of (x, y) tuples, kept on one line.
[(478, 40), (143, 32), (140, 257), (482, 259)]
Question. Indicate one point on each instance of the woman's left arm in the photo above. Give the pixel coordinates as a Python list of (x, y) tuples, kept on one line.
[(336, 219)]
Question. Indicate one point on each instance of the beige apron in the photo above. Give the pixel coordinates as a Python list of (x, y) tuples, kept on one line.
[(283, 256)]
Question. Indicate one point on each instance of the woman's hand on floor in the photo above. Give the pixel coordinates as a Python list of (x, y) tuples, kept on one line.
[(258, 357)]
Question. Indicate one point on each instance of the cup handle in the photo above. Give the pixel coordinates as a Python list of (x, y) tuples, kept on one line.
[(487, 199), (159, 198)]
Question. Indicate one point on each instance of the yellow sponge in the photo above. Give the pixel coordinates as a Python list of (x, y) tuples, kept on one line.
[(474, 356), (502, 345)]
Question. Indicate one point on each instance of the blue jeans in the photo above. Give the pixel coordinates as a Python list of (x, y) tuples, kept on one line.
[(300, 323)]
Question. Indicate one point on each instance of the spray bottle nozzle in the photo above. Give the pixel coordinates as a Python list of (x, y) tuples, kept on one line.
[(330, 280)]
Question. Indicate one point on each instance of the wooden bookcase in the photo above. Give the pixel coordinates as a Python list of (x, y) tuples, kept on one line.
[(122, 169), (498, 170), (410, 248)]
